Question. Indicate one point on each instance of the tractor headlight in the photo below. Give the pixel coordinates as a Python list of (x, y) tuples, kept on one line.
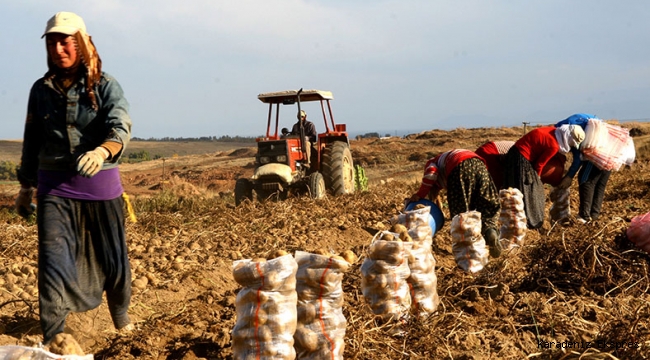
[(281, 158), (265, 159)]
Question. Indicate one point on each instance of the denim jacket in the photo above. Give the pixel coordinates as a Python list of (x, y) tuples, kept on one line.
[(60, 127)]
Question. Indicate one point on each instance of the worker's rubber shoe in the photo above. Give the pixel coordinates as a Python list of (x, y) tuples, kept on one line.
[(492, 240)]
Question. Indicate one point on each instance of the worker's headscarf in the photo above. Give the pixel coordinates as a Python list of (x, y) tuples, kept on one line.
[(569, 136), (72, 24)]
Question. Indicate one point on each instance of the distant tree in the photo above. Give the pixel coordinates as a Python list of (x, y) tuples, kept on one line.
[(371, 135), (142, 155), (7, 170), (222, 138)]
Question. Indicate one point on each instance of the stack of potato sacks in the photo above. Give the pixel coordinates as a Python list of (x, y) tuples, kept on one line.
[(383, 280), (468, 244), (266, 308), (560, 210), (291, 308), (512, 218), (321, 324), (413, 226)]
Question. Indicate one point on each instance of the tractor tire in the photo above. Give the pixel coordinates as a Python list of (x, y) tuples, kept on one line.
[(243, 191), (337, 168), (317, 189)]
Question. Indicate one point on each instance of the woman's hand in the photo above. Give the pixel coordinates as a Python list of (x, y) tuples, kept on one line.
[(91, 162)]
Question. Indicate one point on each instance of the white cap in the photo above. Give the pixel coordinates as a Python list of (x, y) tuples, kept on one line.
[(65, 23)]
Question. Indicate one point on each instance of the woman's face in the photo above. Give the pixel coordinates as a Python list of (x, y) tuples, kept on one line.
[(62, 49)]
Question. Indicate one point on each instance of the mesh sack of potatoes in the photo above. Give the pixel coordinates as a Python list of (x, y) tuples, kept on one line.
[(320, 333), (15, 352), (468, 244), (416, 221), (422, 282), (560, 209), (266, 308), (512, 218), (383, 278)]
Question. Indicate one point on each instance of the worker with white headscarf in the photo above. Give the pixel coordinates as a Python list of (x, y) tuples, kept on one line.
[(76, 129), (526, 159)]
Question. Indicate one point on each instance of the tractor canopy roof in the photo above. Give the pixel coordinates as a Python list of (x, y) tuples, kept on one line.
[(288, 97)]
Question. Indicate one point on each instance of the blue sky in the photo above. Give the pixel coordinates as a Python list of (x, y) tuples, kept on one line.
[(194, 68)]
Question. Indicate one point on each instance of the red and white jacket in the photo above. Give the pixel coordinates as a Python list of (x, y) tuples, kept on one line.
[(437, 169)]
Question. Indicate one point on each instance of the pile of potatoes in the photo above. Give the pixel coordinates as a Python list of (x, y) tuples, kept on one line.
[(467, 242), (320, 333), (65, 344), (19, 281), (383, 277), (560, 209), (512, 218), (265, 307)]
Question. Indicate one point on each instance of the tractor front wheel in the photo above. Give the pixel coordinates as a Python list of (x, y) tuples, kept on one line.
[(243, 191), (338, 169), (316, 186)]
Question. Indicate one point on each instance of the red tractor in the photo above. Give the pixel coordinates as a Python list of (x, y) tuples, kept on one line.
[(281, 164)]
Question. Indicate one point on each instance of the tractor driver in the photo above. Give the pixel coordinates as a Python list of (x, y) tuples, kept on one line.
[(309, 130)]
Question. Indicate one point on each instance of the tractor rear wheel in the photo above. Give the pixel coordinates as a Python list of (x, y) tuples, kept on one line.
[(243, 191), (338, 169), (317, 188)]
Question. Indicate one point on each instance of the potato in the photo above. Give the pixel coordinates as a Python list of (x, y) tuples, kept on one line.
[(419, 206), (259, 260), (315, 260), (240, 335), (140, 283), (258, 315), (339, 263), (248, 296), (277, 253), (245, 273), (387, 237), (349, 256), (306, 339), (65, 344), (275, 281), (405, 236), (322, 252), (312, 277), (398, 228), (411, 217), (306, 313)]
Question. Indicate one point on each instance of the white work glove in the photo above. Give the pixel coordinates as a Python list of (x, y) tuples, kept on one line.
[(24, 205), (91, 162)]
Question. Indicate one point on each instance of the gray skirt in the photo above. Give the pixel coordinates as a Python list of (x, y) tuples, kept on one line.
[(520, 174), (81, 253)]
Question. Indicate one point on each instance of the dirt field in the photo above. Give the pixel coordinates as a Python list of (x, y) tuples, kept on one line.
[(568, 285)]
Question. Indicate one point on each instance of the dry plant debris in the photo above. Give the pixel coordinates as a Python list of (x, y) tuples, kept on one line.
[(572, 285)]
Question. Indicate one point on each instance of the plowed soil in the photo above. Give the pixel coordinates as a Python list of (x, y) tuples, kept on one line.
[(575, 291)]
